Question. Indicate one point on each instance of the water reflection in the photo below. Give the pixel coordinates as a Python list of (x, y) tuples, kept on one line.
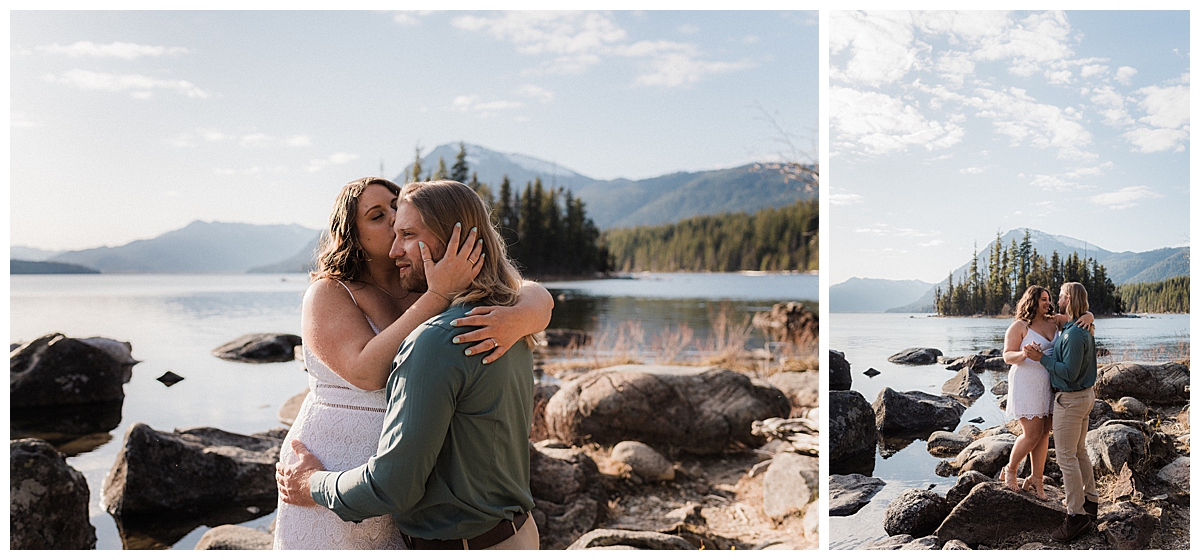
[(71, 429), (161, 531)]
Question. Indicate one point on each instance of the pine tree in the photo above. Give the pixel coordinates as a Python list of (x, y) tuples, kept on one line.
[(415, 172), (459, 171)]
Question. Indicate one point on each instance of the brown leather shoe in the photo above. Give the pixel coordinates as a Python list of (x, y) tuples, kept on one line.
[(1092, 509), (1071, 528)]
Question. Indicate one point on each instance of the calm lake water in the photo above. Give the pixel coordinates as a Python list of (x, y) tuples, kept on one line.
[(174, 321), (868, 339)]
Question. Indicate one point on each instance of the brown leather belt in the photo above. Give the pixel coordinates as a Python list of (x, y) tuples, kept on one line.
[(492, 537)]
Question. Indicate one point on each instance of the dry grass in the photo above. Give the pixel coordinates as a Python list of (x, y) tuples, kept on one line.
[(1178, 352)]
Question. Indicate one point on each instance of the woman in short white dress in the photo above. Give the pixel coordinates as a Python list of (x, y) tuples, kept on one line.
[(356, 289), (1030, 398)]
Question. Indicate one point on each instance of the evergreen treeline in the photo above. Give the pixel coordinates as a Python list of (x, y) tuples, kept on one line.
[(996, 289), (770, 239), (1172, 295), (546, 229)]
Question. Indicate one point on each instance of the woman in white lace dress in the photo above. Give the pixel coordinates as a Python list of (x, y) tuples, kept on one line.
[(1030, 399), (354, 317)]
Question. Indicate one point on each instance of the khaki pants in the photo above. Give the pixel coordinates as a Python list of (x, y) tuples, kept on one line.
[(525, 539), (1070, 426)]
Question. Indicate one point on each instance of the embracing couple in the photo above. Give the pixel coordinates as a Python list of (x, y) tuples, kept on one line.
[(417, 333), (1053, 359)]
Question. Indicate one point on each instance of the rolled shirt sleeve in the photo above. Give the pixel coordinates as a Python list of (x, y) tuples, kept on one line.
[(1066, 365)]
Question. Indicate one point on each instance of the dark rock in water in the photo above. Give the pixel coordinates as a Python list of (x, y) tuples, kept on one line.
[(914, 411), (849, 493), (567, 338), (966, 482), (943, 444), (839, 372), (541, 397), (916, 356), (991, 513), (992, 353), (976, 420), (568, 495), (1128, 526), (996, 364), (700, 410), (975, 362), (1113, 445), (636, 540), (48, 500), (170, 378), (56, 370), (966, 385), (871, 372), (852, 429), (234, 537), (895, 542), (1165, 383), (915, 512), (789, 322), (59, 425), (924, 543), (259, 348), (803, 388), (1003, 402), (986, 454), (969, 430), (945, 468), (194, 470), (1000, 388)]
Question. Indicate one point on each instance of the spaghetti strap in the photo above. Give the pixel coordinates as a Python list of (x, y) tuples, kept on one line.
[(367, 317)]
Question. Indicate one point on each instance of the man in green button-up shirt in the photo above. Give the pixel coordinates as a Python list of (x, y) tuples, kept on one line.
[(1072, 369), (452, 466)]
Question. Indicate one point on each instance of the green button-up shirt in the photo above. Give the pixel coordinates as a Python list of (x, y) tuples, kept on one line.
[(1073, 365), (453, 459)]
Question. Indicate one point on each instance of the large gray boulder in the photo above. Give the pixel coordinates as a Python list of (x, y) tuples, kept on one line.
[(702, 410), (966, 385), (1128, 526), (839, 372), (986, 455), (791, 482), (851, 492), (55, 370), (915, 512), (966, 482), (914, 411), (1165, 383), (234, 537), (991, 513), (1113, 445), (852, 431), (48, 500), (259, 348), (541, 397), (629, 540), (1178, 474), (945, 444), (568, 495), (916, 356), (196, 470), (643, 460), (803, 388)]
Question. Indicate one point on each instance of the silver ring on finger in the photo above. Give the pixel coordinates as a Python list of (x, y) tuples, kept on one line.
[(495, 344)]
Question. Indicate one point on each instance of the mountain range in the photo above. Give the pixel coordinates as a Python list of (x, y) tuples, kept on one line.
[(234, 247), (1128, 267)]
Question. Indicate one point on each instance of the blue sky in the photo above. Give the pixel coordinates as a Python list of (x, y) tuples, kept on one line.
[(125, 125), (948, 127)]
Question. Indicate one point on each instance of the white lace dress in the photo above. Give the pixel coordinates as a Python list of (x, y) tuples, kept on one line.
[(1029, 391), (340, 424)]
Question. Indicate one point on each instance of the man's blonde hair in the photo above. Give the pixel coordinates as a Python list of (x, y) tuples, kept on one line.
[(1077, 306)]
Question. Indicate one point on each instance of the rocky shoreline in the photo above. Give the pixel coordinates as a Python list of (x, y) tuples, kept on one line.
[(632, 456), (1139, 442)]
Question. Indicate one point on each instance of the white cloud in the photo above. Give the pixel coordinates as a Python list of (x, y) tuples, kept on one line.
[(677, 69), (1111, 106), (932, 243), (338, 158), (1127, 197), (689, 29), (411, 17), (127, 51), (880, 43), (536, 92), (560, 33), (751, 39), (878, 123), (1017, 115), (971, 170), (1058, 77), (18, 119), (1150, 140), (1036, 40), (298, 141), (1165, 107), (138, 86), (845, 199), (248, 140), (1125, 74), (885, 230), (475, 104), (1090, 70)]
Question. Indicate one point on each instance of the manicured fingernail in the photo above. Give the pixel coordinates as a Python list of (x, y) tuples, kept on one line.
[(468, 352), (485, 360), (455, 338), (454, 323), (421, 243), (480, 242), (457, 224)]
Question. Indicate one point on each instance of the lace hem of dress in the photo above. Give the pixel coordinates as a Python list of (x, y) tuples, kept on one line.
[(1019, 416)]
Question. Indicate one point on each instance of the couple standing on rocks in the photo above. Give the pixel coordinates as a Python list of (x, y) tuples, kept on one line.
[(1050, 388)]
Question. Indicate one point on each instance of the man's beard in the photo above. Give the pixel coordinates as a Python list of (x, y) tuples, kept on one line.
[(414, 281)]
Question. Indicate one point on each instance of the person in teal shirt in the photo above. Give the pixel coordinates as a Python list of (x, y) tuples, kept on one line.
[(452, 466), (1072, 370)]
